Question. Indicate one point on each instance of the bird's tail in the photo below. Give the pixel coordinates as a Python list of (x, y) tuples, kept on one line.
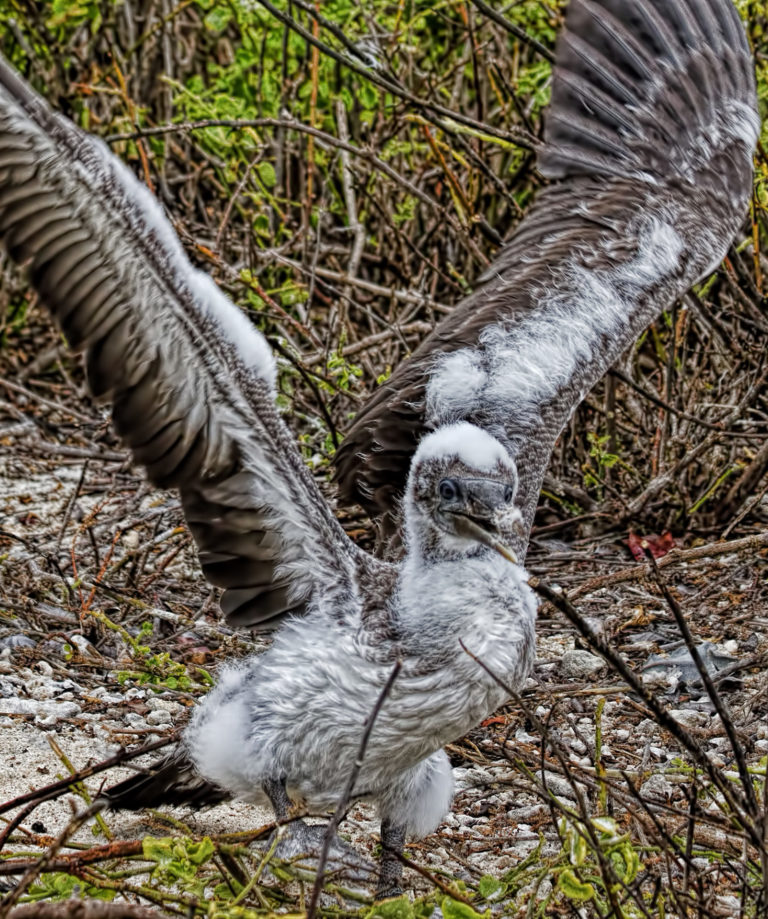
[(173, 780)]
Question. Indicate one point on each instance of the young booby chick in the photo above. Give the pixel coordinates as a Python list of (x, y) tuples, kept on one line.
[(191, 383), (286, 724), (648, 144)]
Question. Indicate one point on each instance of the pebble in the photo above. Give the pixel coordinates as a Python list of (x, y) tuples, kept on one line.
[(103, 695), (647, 727), (46, 713), (159, 716), (581, 665), (657, 788), (17, 641), (525, 814), (558, 785), (158, 703), (690, 719), (84, 647)]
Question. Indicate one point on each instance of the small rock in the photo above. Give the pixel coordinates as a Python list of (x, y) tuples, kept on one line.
[(103, 695), (657, 788), (159, 716), (84, 647), (581, 665), (17, 641), (45, 712), (558, 785), (647, 727), (157, 703), (690, 719), (525, 814)]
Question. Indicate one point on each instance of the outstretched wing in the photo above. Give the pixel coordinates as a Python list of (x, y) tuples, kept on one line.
[(649, 139), (190, 379)]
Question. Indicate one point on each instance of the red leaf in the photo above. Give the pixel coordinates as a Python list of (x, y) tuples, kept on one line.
[(657, 545)]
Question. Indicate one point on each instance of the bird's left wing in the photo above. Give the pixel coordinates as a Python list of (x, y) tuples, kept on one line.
[(190, 379)]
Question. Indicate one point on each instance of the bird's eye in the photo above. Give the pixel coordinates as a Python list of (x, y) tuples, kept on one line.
[(509, 494), (448, 490)]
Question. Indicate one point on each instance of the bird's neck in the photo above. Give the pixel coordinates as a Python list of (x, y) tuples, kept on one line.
[(440, 582), (481, 604)]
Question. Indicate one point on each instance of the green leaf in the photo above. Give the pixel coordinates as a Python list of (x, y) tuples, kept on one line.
[(399, 908), (573, 888), (158, 849), (261, 224), (218, 18), (200, 852), (489, 887), (267, 174), (453, 909)]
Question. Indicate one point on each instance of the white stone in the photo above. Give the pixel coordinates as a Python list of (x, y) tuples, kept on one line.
[(581, 665)]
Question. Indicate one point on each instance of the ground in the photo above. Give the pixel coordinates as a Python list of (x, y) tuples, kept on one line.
[(346, 222), (108, 634)]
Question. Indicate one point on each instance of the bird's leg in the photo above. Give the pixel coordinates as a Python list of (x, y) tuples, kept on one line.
[(274, 789), (391, 868), (295, 837)]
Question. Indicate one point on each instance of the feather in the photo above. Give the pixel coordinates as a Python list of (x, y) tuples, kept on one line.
[(649, 141), (190, 378)]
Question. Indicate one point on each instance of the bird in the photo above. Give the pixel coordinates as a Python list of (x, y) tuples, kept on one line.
[(191, 383), (648, 141), (285, 725), (648, 146)]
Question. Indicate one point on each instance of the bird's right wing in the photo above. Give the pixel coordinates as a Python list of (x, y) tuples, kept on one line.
[(190, 379), (649, 140)]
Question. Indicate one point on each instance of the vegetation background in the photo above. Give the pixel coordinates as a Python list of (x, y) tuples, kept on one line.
[(345, 170)]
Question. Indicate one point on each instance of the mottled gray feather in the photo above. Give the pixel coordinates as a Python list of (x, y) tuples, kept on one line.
[(189, 378), (653, 118)]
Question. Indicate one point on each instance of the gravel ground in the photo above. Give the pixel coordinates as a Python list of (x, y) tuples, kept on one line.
[(89, 555)]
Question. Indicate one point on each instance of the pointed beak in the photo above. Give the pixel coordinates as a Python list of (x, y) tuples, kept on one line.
[(466, 526)]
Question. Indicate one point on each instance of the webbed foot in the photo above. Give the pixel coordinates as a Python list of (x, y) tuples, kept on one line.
[(298, 841)]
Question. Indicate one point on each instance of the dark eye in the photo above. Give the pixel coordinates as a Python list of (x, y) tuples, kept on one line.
[(448, 490), (509, 494)]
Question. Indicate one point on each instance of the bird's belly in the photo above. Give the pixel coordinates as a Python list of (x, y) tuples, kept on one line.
[(284, 714)]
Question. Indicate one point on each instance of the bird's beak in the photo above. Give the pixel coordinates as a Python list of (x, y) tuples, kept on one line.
[(466, 526)]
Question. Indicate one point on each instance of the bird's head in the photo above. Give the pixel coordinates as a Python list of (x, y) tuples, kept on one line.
[(461, 494)]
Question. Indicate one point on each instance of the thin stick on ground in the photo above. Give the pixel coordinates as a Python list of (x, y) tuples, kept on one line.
[(42, 863), (709, 684)]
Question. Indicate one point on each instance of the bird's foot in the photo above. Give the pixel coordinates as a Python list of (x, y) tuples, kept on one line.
[(301, 841), (387, 892)]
